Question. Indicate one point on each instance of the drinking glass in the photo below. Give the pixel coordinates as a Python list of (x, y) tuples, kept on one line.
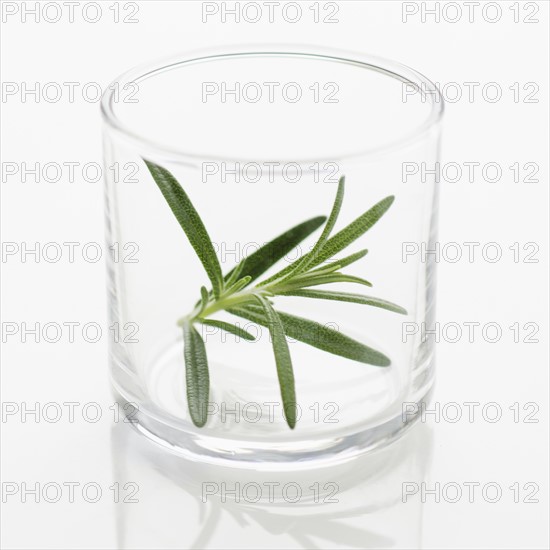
[(259, 137)]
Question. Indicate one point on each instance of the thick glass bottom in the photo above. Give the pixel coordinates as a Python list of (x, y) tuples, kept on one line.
[(254, 435)]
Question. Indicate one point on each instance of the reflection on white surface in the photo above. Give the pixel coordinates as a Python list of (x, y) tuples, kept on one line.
[(183, 504)]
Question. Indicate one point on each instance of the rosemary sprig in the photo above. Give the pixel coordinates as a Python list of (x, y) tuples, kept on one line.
[(234, 294)]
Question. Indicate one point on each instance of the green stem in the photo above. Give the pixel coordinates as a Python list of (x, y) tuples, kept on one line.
[(233, 297), (224, 302)]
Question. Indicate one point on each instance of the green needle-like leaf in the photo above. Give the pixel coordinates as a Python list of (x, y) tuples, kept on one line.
[(328, 270), (341, 240), (196, 374), (239, 285), (353, 231), (204, 297), (306, 260), (282, 360), (260, 261), (323, 279), (191, 223), (318, 336), (347, 297), (234, 274), (228, 327), (339, 264)]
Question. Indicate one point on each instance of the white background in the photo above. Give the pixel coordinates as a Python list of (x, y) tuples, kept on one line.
[(505, 132)]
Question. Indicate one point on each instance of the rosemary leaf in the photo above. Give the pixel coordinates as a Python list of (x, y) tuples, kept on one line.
[(327, 279), (344, 262), (260, 261), (347, 297), (317, 335), (204, 297), (327, 270), (191, 223), (234, 274), (353, 231), (341, 240), (239, 285), (306, 260), (282, 360), (196, 374)]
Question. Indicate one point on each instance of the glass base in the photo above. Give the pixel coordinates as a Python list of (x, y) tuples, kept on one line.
[(268, 444)]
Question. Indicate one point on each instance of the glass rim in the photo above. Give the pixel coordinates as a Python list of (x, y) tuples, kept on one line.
[(387, 67)]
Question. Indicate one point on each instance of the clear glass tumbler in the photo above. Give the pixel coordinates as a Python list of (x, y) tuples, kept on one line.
[(259, 139)]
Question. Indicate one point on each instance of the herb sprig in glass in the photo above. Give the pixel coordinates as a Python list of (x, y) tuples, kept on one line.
[(235, 293)]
